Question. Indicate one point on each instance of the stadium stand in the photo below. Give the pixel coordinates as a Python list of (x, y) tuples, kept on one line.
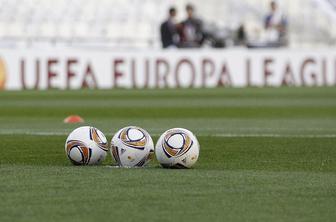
[(333, 3), (134, 23)]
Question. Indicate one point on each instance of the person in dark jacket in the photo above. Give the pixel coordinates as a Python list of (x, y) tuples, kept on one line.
[(168, 29), (191, 30)]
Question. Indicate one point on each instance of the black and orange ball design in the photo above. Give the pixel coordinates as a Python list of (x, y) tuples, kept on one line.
[(85, 152), (173, 150), (94, 136), (138, 143)]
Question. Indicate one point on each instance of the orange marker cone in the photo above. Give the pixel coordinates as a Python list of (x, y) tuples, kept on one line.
[(74, 119)]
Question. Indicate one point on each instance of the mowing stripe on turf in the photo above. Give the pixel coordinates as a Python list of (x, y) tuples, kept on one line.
[(227, 135)]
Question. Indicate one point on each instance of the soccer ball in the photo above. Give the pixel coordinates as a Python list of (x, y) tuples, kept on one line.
[(86, 145), (132, 146), (177, 148)]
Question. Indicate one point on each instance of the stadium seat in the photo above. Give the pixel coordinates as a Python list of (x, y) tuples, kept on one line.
[(117, 21)]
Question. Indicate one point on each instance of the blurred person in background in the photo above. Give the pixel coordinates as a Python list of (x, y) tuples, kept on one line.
[(169, 35), (241, 38), (191, 30), (276, 27)]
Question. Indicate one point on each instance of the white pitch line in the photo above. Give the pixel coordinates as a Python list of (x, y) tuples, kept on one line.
[(224, 135), (228, 135), (34, 133)]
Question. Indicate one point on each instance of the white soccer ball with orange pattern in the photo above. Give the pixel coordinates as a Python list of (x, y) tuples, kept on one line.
[(177, 148), (86, 145), (132, 146)]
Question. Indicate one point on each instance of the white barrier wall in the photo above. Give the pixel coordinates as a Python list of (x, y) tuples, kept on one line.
[(75, 69)]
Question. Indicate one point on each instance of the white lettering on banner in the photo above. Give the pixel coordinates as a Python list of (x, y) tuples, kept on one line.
[(76, 69)]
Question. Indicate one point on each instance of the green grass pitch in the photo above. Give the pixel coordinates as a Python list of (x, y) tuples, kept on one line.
[(266, 155)]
